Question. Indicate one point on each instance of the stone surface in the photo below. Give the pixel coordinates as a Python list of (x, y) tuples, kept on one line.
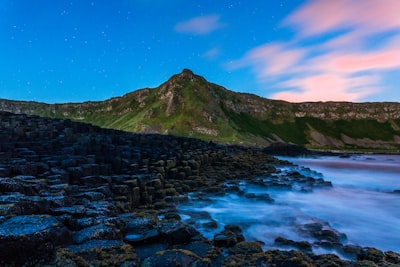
[(22, 238), (73, 194)]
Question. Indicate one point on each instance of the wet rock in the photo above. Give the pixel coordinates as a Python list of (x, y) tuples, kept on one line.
[(142, 231), (392, 257), (87, 177), (171, 216), (370, 254), (324, 233), (98, 253), (250, 195), (145, 237), (225, 239), (265, 197), (327, 260), (201, 248), (11, 185), (147, 250), (351, 251), (99, 231), (301, 245), (140, 224), (229, 237), (76, 210), (246, 248), (177, 232), (27, 237), (20, 204), (211, 224), (171, 258)]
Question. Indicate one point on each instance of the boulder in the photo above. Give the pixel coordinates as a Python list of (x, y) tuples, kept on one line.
[(98, 253), (301, 245), (24, 238), (171, 258), (99, 231), (142, 231), (246, 248), (177, 232), (370, 254)]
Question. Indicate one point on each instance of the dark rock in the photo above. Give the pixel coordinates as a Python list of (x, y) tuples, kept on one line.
[(285, 149), (200, 248), (140, 224), (23, 238), (231, 235), (211, 224), (99, 231), (327, 260), (178, 233), (76, 210), (171, 258), (323, 232), (370, 254), (301, 245), (98, 182), (97, 253), (246, 248), (170, 216), (20, 204), (351, 251), (250, 195), (233, 228), (392, 257), (144, 251), (142, 231), (146, 237)]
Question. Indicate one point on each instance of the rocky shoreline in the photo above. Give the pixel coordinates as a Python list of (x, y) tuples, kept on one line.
[(73, 194)]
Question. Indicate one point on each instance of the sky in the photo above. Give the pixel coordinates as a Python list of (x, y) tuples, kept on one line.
[(294, 50)]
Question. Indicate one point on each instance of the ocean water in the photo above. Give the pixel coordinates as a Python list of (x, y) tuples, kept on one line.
[(361, 204)]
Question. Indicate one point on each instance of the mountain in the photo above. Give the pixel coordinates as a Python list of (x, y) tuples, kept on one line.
[(188, 105)]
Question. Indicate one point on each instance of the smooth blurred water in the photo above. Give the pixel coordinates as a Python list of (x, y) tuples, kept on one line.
[(360, 204)]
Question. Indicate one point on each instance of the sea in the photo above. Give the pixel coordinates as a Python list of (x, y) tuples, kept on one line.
[(363, 203)]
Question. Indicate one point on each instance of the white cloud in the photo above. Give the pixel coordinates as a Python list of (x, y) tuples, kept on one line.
[(211, 54), (200, 25)]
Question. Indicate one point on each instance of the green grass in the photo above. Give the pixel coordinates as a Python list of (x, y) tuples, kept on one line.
[(195, 101)]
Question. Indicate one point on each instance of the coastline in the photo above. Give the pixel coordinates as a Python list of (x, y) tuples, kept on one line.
[(78, 195)]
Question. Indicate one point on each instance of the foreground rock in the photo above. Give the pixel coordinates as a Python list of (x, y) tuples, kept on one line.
[(76, 195), (24, 238)]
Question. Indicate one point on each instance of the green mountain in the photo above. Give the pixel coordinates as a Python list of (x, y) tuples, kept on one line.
[(188, 105)]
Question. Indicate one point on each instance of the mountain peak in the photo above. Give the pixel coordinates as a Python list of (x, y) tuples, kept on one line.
[(187, 74)]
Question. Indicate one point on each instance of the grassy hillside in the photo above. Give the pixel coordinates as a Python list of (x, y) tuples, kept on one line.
[(188, 105)]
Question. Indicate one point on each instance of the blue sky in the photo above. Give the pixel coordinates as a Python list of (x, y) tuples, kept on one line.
[(297, 50)]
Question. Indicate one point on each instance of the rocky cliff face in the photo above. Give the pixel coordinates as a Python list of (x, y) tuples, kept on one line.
[(188, 105)]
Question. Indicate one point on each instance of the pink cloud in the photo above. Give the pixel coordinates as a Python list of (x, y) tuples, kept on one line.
[(319, 16), (200, 25), (331, 70), (270, 59), (368, 61), (328, 87), (384, 58)]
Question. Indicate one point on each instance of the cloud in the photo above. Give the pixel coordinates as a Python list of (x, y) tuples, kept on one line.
[(328, 87), (370, 16), (212, 53), (275, 59), (361, 41), (200, 25)]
